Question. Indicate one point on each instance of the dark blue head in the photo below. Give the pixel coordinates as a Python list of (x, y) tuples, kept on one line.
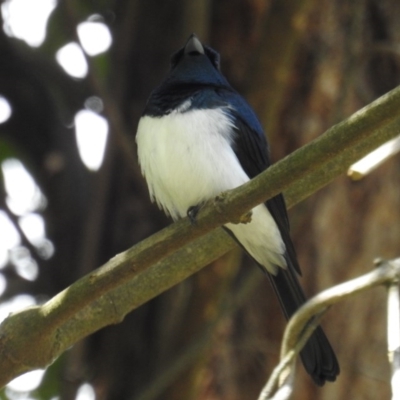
[(195, 75), (196, 64)]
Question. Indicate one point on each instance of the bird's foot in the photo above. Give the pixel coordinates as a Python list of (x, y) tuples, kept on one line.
[(192, 213), (246, 218)]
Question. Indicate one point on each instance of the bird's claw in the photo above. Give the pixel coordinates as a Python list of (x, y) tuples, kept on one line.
[(192, 214)]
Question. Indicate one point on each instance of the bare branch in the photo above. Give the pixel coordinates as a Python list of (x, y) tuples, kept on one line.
[(280, 383), (388, 272), (33, 338)]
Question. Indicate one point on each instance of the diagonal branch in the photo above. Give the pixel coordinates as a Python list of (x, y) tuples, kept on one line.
[(35, 337)]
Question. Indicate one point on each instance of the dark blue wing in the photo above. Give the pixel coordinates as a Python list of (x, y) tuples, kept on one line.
[(251, 149)]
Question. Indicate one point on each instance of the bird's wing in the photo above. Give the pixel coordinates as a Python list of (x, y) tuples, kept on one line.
[(251, 149)]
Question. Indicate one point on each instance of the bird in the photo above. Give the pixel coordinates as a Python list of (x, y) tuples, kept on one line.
[(198, 137)]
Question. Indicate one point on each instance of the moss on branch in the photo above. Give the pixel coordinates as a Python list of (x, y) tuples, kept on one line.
[(33, 338)]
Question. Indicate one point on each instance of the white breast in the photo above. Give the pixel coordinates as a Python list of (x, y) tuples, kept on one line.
[(187, 158)]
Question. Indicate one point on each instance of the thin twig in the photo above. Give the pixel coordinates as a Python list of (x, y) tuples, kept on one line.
[(387, 272), (280, 383)]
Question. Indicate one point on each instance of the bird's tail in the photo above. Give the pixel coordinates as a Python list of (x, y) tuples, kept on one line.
[(317, 355)]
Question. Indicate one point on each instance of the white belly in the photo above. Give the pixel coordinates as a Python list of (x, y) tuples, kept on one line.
[(187, 158)]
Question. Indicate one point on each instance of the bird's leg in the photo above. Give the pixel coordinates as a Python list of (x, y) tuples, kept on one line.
[(192, 213)]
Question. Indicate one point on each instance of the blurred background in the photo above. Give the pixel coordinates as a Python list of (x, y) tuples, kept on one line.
[(74, 78)]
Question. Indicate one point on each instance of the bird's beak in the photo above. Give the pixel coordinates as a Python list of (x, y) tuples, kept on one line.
[(194, 44)]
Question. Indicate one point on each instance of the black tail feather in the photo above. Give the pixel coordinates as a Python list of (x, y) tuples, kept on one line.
[(317, 355)]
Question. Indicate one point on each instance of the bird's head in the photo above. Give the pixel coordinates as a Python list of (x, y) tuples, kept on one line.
[(196, 63)]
